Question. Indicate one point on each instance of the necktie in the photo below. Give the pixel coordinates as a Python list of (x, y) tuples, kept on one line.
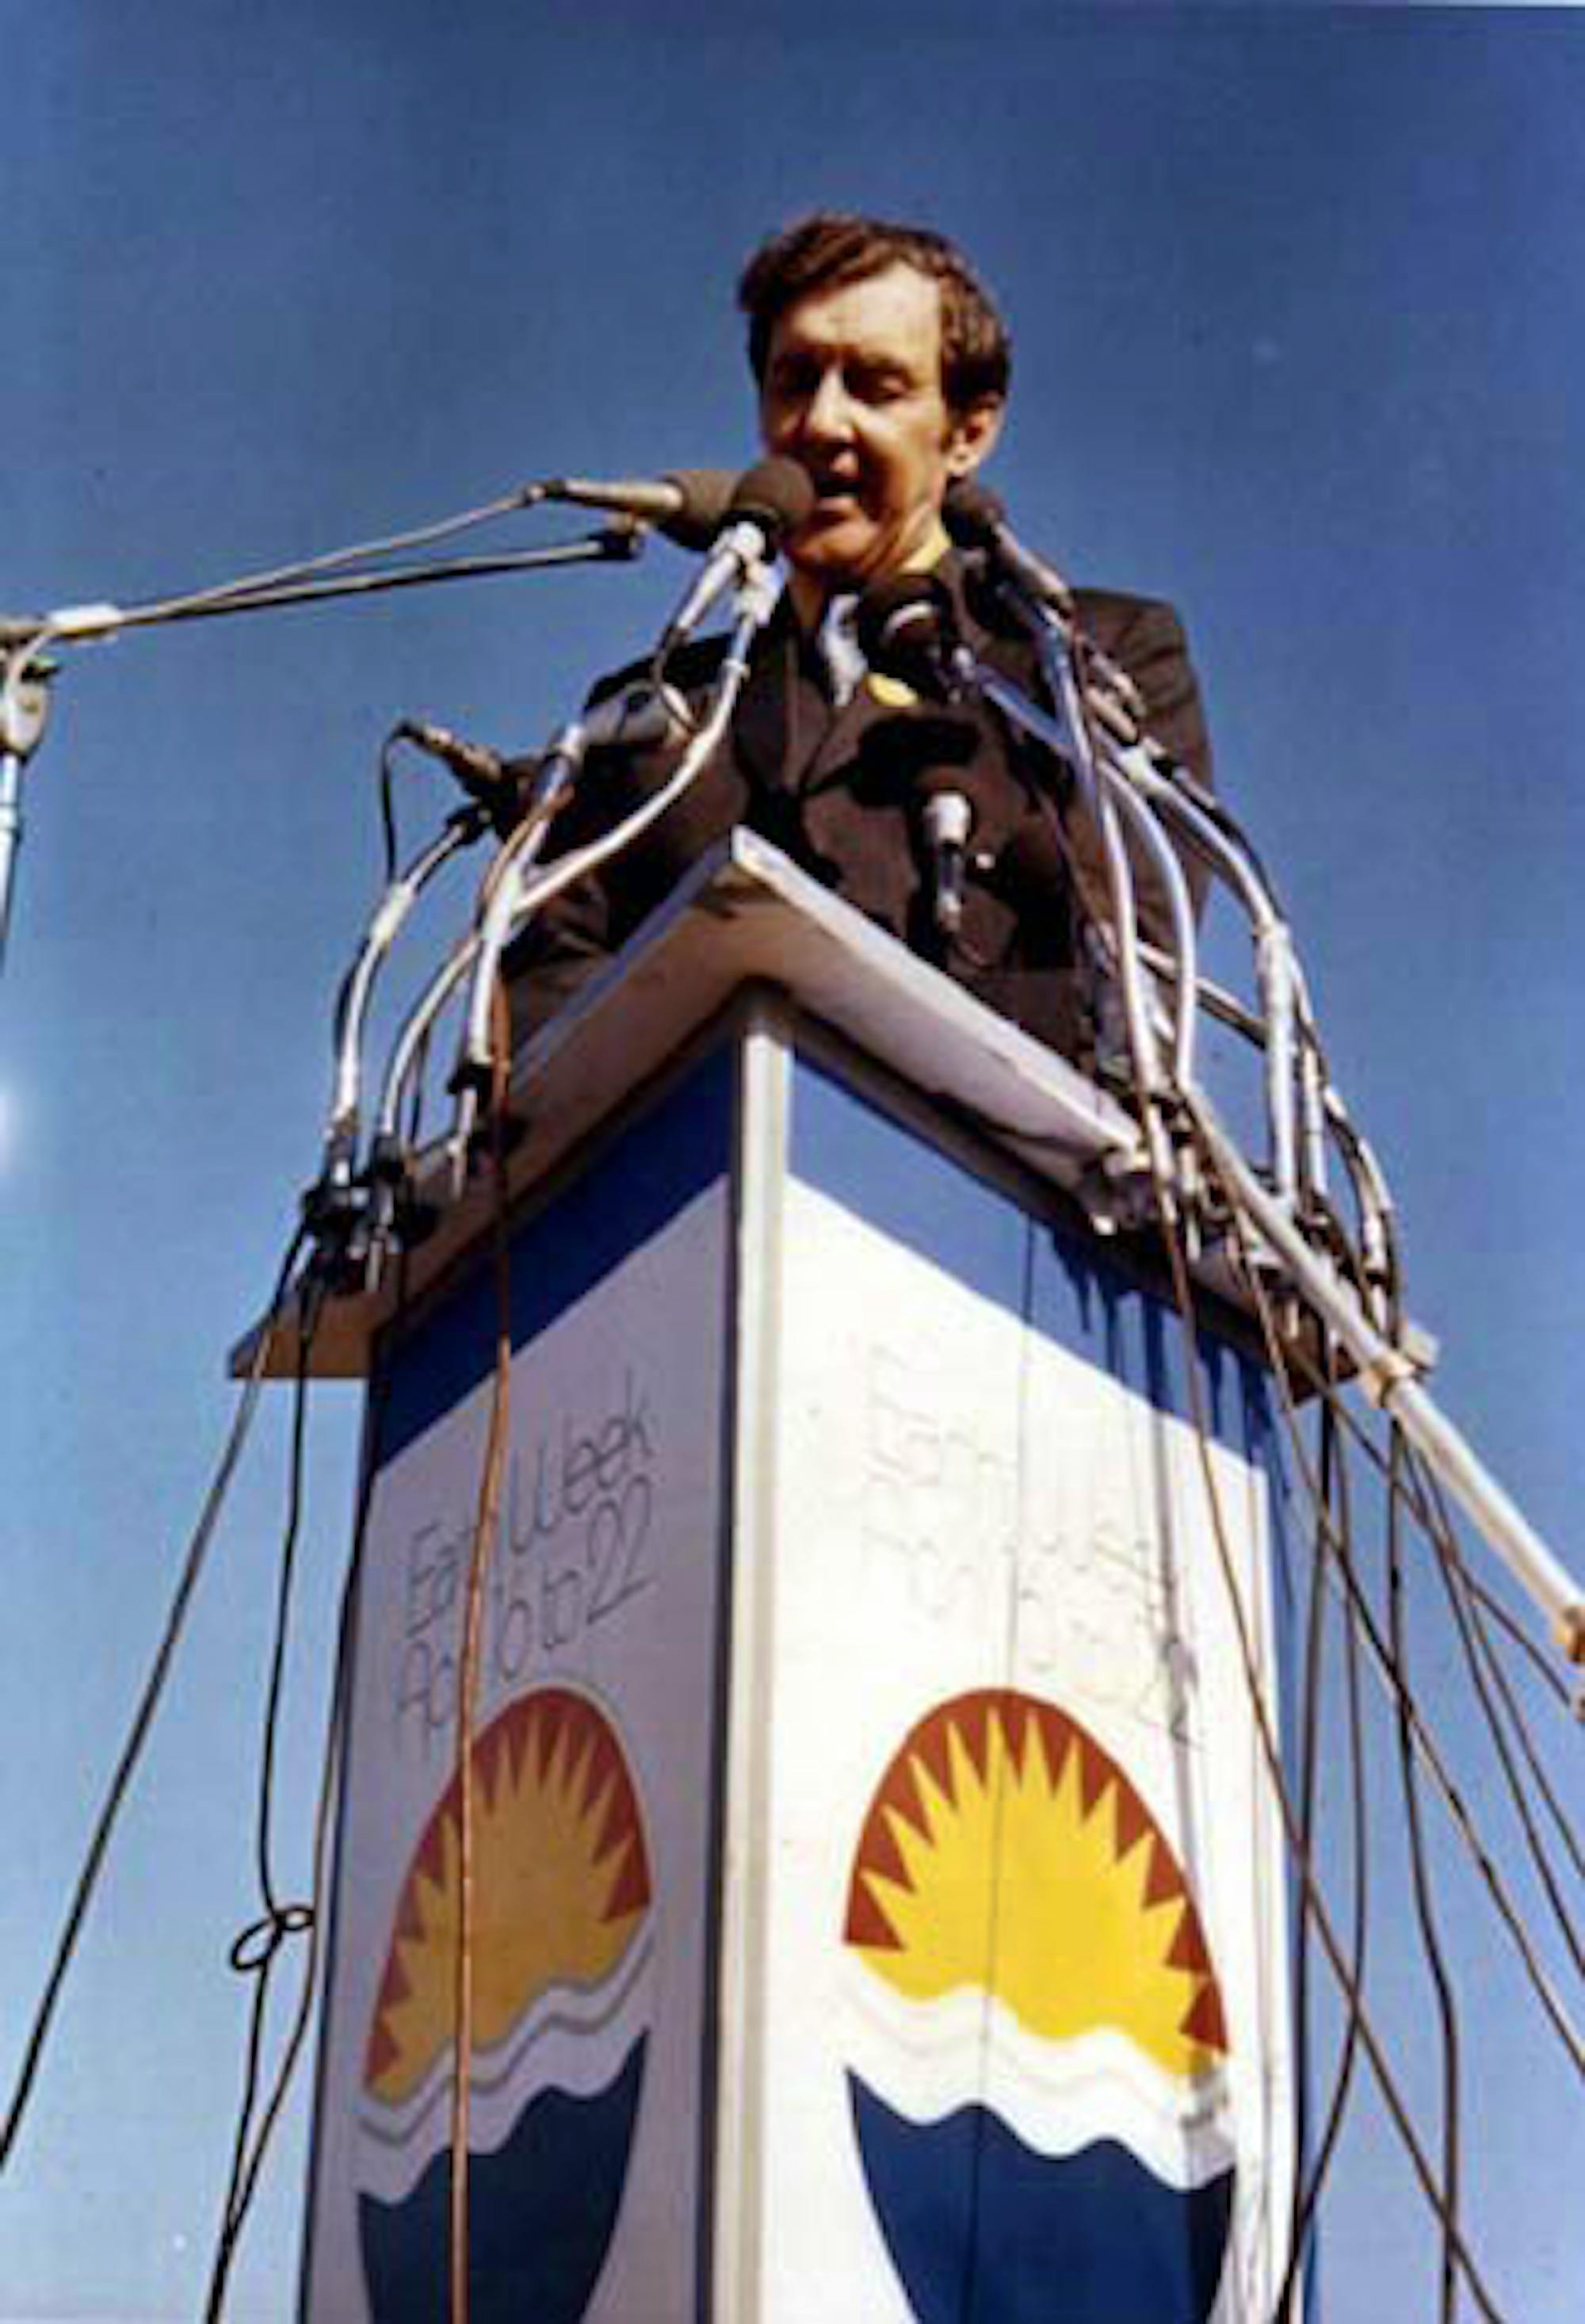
[(837, 645)]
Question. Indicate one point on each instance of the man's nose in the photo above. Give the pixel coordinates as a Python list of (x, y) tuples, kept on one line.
[(828, 414)]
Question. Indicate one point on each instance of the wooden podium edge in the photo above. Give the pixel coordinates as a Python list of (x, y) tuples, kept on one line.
[(743, 916)]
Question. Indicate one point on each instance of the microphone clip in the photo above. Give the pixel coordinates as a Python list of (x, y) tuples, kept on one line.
[(949, 823)]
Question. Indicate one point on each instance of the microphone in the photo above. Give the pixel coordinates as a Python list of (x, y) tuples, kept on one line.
[(482, 773), (949, 824), (975, 518), (688, 506), (907, 630), (771, 500), (637, 717)]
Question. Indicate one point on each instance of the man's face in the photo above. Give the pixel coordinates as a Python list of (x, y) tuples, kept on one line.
[(852, 391)]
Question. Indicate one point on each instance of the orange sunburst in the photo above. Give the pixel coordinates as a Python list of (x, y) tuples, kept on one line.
[(1005, 1850), (561, 1883)]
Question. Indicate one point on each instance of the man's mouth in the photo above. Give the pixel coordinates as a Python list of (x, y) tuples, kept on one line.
[(832, 492)]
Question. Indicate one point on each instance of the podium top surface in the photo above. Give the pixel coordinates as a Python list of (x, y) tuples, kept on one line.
[(743, 916)]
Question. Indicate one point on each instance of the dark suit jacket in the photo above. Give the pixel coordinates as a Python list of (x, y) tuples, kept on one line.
[(841, 794)]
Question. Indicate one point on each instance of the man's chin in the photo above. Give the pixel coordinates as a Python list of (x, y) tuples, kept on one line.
[(838, 553)]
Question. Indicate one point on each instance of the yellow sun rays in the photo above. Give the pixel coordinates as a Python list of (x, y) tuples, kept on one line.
[(561, 1883), (1006, 1851)]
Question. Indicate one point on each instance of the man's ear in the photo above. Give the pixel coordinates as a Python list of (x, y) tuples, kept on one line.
[(971, 435)]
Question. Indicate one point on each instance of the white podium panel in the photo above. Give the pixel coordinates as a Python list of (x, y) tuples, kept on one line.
[(593, 1799), (1024, 2047)]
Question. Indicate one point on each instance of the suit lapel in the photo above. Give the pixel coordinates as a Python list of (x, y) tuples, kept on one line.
[(843, 739), (762, 737), (784, 738)]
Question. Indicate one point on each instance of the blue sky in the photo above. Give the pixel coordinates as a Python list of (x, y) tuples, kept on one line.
[(1299, 305)]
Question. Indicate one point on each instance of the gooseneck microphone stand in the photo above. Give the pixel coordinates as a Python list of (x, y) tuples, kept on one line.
[(334, 1206), (744, 527), (26, 643), (514, 892), (1123, 777)]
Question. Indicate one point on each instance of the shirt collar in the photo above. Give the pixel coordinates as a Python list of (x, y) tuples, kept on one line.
[(938, 555)]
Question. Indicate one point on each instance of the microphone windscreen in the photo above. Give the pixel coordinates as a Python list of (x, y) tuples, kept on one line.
[(973, 514), (777, 494), (706, 496), (905, 629)]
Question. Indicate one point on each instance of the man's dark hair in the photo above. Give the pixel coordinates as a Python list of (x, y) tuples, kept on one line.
[(831, 247)]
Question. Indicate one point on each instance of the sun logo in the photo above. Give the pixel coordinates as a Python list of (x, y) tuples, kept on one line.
[(561, 1924), (1006, 1849), (1043, 2033), (562, 1882)]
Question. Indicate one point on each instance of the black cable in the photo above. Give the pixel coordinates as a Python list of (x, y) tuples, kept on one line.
[(143, 1718), (252, 1955), (1451, 1566), (388, 749), (1439, 1530), (1540, 1663), (1347, 1974), (1477, 1614), (246, 2182), (485, 1526), (1424, 1912), (1309, 1771), (1304, 1868), (289, 1550), (330, 1766), (415, 1117), (1422, 1499), (256, 1951), (1382, 1659), (1309, 2197), (1307, 2181), (1332, 1541), (332, 1761)]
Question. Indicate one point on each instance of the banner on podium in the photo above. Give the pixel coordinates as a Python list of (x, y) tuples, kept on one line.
[(592, 1800), (1026, 2002)]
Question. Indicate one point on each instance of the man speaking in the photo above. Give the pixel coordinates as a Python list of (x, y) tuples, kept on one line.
[(882, 368)]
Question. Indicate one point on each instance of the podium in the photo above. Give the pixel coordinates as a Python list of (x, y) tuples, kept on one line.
[(881, 1908)]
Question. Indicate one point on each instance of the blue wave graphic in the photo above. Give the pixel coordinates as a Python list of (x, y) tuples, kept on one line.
[(981, 2230), (542, 2209)]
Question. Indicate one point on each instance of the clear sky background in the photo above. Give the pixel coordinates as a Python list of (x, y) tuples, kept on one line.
[(1299, 304)]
